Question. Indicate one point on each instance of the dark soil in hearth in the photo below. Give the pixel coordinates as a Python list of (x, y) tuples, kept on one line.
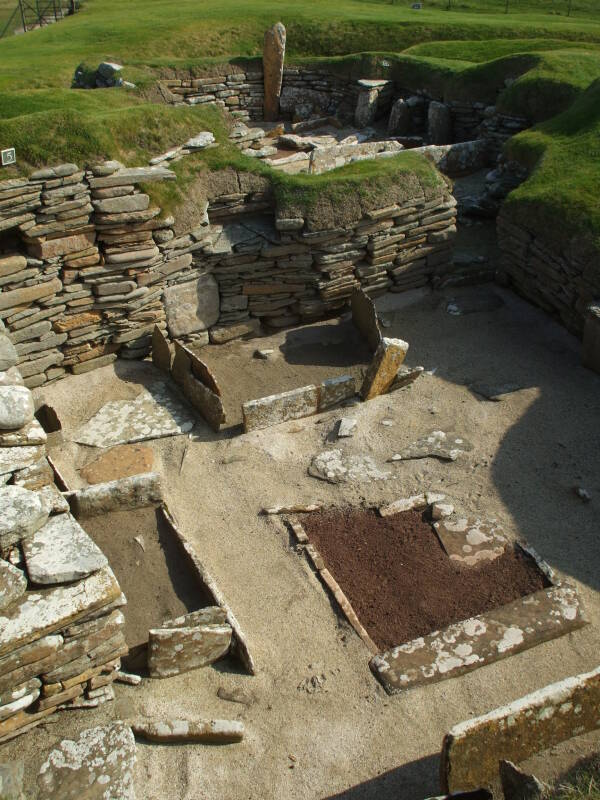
[(151, 571), (399, 579)]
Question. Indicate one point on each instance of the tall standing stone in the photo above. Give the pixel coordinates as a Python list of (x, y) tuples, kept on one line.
[(273, 55)]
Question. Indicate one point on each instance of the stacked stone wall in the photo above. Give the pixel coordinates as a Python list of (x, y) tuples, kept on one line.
[(562, 281), (89, 267)]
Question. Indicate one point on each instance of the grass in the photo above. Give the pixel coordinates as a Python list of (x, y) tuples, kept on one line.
[(580, 783), (533, 61)]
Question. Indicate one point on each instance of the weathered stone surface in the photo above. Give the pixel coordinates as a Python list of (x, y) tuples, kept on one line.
[(117, 205), (41, 651), (30, 434), (25, 296), (98, 765), (210, 615), (11, 781), (61, 247), (204, 374), (364, 317), (131, 175), (334, 391), (214, 731), (273, 57), (235, 695), (366, 107), (39, 613), (162, 357), (12, 584), (496, 393), (61, 551), (346, 427), (437, 444), (405, 376), (23, 701), (23, 513), (8, 354), (121, 461), (154, 413), (518, 785), (403, 504), (470, 540), (16, 407), (227, 333), (277, 408), (337, 467), (136, 491), (471, 750), (399, 121), (204, 400), (11, 377), (192, 306), (384, 367), (175, 650), (481, 640), (439, 123), (18, 458)]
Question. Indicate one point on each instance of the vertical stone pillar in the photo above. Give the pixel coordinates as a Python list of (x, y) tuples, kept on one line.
[(439, 123), (273, 55), (591, 338)]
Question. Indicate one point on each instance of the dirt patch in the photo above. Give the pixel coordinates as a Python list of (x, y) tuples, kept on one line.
[(308, 355), (150, 569), (400, 581)]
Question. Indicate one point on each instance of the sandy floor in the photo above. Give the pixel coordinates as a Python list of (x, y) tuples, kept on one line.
[(350, 740)]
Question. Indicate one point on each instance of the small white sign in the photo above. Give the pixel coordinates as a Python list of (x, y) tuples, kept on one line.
[(9, 157)]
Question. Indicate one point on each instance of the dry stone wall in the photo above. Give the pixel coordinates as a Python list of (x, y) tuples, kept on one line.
[(561, 280), (88, 267)]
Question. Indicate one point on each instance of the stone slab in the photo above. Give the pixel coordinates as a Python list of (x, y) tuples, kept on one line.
[(210, 615), (154, 413), (121, 461), (204, 400), (471, 540), (192, 306), (335, 466), (30, 434), (162, 356), (475, 642), (472, 750), (334, 391), (61, 552), (364, 317), (13, 584), (437, 444), (277, 408), (42, 612), (8, 355), (384, 367), (23, 513), (135, 491), (61, 247), (172, 651), (214, 731), (273, 57), (16, 407), (97, 765)]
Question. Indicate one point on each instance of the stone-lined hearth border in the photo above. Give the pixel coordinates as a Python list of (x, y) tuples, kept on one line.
[(239, 645), (468, 644)]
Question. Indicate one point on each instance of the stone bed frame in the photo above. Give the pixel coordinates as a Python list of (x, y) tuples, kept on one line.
[(463, 646)]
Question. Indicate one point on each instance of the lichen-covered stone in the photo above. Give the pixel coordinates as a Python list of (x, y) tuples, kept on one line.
[(481, 640), (337, 467), (30, 434), (175, 650), (98, 765), (136, 491), (13, 583), (384, 367), (16, 407), (23, 513), (437, 444), (39, 613), (61, 551), (334, 391), (8, 354), (471, 750), (470, 540), (277, 408)]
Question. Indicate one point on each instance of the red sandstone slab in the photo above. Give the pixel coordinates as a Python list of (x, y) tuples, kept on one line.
[(475, 642)]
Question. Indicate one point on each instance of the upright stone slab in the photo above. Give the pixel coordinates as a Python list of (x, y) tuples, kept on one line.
[(364, 317), (98, 765), (276, 408), (135, 491), (192, 306), (366, 107), (591, 338), (439, 123), (214, 731), (273, 57), (399, 122), (334, 391), (384, 367), (162, 357), (175, 650), (473, 749), (204, 400)]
